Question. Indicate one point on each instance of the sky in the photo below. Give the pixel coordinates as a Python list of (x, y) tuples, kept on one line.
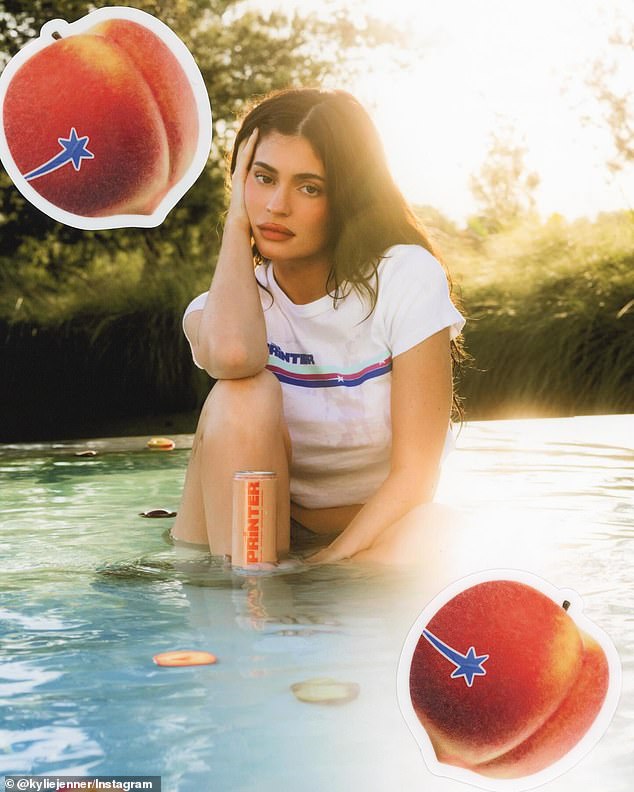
[(474, 66)]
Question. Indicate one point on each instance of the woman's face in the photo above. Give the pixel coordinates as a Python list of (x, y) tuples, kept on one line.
[(285, 198)]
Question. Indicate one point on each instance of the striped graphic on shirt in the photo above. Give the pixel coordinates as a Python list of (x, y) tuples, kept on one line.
[(320, 377)]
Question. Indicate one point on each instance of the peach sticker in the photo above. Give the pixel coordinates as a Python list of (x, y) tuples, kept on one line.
[(504, 683), (106, 121)]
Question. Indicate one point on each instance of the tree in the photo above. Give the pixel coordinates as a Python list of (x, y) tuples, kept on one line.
[(610, 82), (503, 189)]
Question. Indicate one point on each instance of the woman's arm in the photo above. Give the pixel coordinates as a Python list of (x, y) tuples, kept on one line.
[(420, 409), (229, 336)]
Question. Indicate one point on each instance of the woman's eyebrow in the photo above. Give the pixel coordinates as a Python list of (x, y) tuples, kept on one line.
[(297, 176)]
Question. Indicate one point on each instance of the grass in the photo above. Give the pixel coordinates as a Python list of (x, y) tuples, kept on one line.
[(551, 318)]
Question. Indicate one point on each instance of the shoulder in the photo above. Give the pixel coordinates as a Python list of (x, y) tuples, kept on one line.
[(404, 266), (197, 304), (413, 298)]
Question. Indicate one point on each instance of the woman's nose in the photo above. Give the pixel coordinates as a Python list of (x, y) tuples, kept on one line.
[(279, 202)]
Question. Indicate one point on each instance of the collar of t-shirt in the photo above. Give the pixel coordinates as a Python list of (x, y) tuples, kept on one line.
[(264, 274)]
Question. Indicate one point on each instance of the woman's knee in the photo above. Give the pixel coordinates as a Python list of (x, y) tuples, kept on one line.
[(245, 403)]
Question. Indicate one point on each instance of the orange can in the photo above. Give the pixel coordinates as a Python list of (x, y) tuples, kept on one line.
[(254, 523)]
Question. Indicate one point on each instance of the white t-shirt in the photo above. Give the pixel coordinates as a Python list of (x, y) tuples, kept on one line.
[(335, 371)]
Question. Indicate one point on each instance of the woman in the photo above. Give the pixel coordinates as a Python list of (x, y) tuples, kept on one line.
[(334, 359)]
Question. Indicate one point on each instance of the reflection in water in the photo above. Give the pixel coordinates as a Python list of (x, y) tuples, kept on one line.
[(91, 591)]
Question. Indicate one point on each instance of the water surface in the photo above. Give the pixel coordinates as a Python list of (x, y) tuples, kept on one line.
[(90, 592)]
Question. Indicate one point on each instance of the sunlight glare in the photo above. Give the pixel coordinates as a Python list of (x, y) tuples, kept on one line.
[(474, 67)]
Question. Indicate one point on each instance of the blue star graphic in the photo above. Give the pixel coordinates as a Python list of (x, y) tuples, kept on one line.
[(467, 666), (73, 150)]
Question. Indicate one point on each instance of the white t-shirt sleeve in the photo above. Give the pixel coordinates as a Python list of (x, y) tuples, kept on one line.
[(414, 298), (197, 304)]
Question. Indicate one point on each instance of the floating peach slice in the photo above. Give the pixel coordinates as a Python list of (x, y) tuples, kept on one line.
[(161, 444), (323, 690)]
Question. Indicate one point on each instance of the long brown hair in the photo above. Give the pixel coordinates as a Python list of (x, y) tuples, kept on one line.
[(367, 212)]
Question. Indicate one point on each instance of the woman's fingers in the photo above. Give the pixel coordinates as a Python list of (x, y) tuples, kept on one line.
[(237, 208), (325, 556), (245, 154)]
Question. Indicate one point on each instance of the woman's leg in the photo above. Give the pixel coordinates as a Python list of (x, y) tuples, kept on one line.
[(241, 427)]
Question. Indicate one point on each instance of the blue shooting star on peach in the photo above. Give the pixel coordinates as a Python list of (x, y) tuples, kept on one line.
[(467, 666), (74, 150)]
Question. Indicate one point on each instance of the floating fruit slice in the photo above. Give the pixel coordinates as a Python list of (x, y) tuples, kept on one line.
[(325, 691), (160, 444), (184, 657)]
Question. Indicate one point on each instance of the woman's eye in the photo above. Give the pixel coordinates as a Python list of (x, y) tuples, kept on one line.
[(263, 178), (310, 189)]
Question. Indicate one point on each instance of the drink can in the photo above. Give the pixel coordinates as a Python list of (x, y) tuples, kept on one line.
[(254, 519)]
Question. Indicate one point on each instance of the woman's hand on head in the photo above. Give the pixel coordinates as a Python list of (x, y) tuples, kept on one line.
[(237, 207)]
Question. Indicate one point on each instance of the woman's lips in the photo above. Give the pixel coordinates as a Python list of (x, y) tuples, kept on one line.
[(275, 232)]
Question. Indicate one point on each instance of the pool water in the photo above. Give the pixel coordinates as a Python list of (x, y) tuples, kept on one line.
[(90, 591)]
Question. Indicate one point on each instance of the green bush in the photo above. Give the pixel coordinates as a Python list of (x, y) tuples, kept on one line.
[(550, 310)]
